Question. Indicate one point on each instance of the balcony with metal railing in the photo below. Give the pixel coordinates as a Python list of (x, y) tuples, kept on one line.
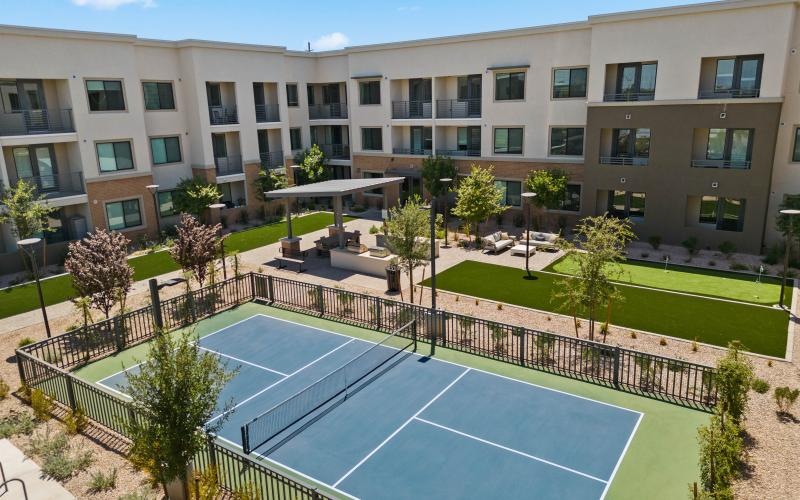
[(327, 111), (336, 151), (458, 108), (223, 115), (732, 164), (412, 110), (729, 93), (629, 96), (36, 121), (58, 185), (637, 161), (267, 113), (228, 165), (271, 159), (458, 152), (412, 151)]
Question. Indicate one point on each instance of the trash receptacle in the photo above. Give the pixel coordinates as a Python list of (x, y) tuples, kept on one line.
[(393, 278)]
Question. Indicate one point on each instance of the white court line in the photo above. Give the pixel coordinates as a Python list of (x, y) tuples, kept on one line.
[(393, 434), (622, 455), (511, 450), (243, 361), (262, 391)]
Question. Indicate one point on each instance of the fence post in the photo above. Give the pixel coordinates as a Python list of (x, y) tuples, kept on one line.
[(20, 368), (212, 450), (253, 285), (321, 299), (155, 300), (432, 333), (70, 392), (270, 289), (522, 335), (117, 323), (378, 313), (414, 334), (616, 367)]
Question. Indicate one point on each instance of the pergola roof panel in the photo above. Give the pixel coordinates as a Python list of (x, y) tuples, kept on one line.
[(335, 187)]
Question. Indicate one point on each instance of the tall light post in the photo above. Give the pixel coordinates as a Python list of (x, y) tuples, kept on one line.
[(789, 213), (445, 185), (153, 188), (528, 198), (220, 206), (29, 247)]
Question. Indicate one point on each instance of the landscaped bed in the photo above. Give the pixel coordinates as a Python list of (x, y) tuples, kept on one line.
[(761, 329)]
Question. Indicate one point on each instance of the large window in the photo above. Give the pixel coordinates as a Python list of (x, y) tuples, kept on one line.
[(123, 214), (373, 175), (569, 82), (105, 95), (469, 140), (566, 142), (725, 214), (508, 141), (165, 150), (371, 139), (158, 95), (294, 139), (512, 191), (729, 147), (796, 151), (636, 81), (626, 204), (631, 143), (572, 198), (739, 76), (291, 94), (509, 86), (369, 92), (114, 156), (166, 207)]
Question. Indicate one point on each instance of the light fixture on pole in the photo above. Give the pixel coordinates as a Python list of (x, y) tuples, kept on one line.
[(789, 213), (219, 206), (153, 188), (29, 247), (528, 198), (445, 186)]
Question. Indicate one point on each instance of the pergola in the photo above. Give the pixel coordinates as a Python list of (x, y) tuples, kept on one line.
[(336, 189)]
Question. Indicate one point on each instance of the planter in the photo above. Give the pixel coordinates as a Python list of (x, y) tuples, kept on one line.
[(392, 278)]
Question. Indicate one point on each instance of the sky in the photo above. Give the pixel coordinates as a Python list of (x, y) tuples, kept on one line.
[(327, 25)]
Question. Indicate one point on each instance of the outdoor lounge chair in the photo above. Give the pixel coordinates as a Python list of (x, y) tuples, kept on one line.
[(497, 241)]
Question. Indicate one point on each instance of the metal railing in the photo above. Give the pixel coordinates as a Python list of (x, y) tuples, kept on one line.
[(56, 185), (223, 115), (625, 160), (733, 164), (326, 111), (267, 113), (629, 96), (458, 152), (409, 151), (412, 109), (729, 94), (458, 108), (335, 151), (228, 165), (40, 121), (271, 159)]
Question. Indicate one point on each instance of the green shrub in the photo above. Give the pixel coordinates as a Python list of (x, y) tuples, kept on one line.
[(655, 241), (645, 255), (773, 255), (785, 398), (727, 248), (760, 385), (737, 266), (25, 341), (42, 405), (62, 466), (15, 424), (4, 389), (712, 263), (244, 217), (136, 495), (733, 379), (75, 421), (721, 447), (356, 208), (100, 481), (691, 245), (373, 229)]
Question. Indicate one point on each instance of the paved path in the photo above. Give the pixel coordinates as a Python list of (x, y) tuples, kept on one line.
[(16, 465)]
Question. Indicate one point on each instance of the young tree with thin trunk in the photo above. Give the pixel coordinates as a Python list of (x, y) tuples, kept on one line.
[(550, 186), (478, 198), (174, 395), (268, 180), (195, 246), (26, 211), (312, 165), (193, 196), (407, 226), (434, 169), (99, 268)]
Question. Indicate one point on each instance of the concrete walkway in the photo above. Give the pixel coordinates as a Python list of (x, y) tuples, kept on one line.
[(17, 466)]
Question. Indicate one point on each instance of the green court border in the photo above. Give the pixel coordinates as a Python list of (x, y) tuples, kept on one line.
[(661, 459)]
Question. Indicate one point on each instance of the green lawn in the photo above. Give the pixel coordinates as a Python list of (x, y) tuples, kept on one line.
[(23, 298), (760, 329), (709, 282)]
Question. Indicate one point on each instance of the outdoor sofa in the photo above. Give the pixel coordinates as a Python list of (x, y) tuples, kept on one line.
[(544, 241), (497, 241)]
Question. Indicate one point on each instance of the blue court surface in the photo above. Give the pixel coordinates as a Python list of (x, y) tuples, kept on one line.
[(422, 427)]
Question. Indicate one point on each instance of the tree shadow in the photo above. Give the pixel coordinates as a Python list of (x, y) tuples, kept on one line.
[(785, 417), (750, 443)]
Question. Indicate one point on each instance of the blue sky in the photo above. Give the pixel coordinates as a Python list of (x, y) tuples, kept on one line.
[(292, 23)]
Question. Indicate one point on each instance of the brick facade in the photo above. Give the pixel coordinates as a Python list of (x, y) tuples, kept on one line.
[(100, 192)]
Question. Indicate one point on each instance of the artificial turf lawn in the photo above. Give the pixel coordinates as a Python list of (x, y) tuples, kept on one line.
[(19, 299), (760, 329)]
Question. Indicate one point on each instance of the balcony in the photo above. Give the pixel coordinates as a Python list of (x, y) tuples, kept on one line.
[(228, 165), (458, 108), (409, 151), (729, 94), (458, 152), (271, 159), (629, 96), (733, 164), (223, 115), (58, 185), (39, 121), (412, 109), (327, 111), (625, 160), (267, 113), (336, 151)]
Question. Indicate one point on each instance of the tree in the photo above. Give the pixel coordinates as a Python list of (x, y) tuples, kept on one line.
[(721, 447), (550, 186), (193, 196), (478, 198), (733, 379), (602, 247), (174, 395), (99, 268), (407, 226), (435, 168), (268, 180), (313, 165), (26, 210), (195, 246)]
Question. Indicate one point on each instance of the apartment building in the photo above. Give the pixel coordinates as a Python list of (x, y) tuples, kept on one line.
[(683, 119)]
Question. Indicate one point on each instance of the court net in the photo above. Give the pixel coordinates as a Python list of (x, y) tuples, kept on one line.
[(333, 385)]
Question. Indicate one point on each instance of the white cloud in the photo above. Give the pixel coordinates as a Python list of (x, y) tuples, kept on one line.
[(112, 4), (331, 41)]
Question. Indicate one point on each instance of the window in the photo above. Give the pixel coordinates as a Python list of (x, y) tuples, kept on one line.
[(105, 95), (796, 151), (158, 95), (725, 214), (512, 191), (291, 94), (631, 143), (294, 139), (508, 141), (369, 92), (729, 147), (566, 142), (636, 81), (572, 198), (421, 140), (509, 86), (569, 83), (626, 204), (165, 206), (165, 150), (123, 214), (371, 139), (114, 156), (214, 92), (469, 140), (739, 76), (310, 94), (373, 175)]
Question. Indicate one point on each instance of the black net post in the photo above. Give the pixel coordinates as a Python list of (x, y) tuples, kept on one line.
[(414, 334), (433, 326), (270, 289), (155, 300), (616, 367)]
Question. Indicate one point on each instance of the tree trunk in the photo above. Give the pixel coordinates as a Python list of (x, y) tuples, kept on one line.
[(421, 289), (575, 322), (591, 323), (411, 282)]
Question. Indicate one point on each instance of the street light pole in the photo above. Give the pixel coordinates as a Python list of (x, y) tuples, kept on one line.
[(528, 197), (446, 184), (789, 213), (29, 247), (153, 188)]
